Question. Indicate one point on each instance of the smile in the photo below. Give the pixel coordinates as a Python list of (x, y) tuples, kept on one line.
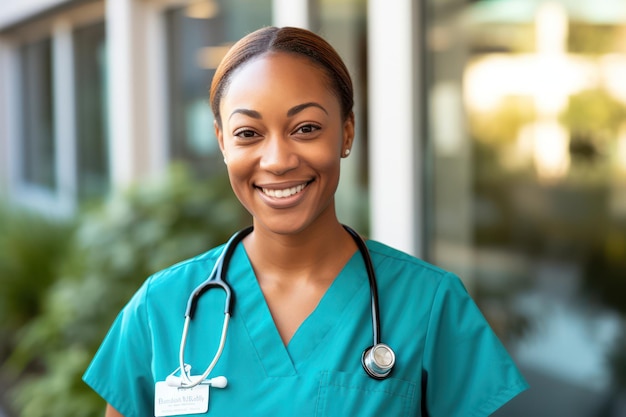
[(284, 193)]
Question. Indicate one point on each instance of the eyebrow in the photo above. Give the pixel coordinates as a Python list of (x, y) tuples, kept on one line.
[(250, 113), (297, 109), (291, 112)]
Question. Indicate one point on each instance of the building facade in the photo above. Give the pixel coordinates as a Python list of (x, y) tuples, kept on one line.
[(101, 94)]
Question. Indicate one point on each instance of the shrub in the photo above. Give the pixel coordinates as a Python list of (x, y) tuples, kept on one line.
[(31, 248), (115, 248)]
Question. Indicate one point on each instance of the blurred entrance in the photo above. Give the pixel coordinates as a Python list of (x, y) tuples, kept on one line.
[(527, 189)]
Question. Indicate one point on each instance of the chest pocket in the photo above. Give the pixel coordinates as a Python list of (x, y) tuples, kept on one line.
[(344, 394)]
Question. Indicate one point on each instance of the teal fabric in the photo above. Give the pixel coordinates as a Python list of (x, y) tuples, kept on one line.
[(448, 361)]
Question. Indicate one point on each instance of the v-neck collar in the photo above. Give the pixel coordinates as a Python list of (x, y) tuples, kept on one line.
[(276, 358)]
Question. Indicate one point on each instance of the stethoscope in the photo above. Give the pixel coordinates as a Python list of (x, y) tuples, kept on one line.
[(377, 360)]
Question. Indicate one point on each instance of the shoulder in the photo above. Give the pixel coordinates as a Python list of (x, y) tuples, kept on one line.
[(401, 274), (181, 277), (387, 258), (200, 261)]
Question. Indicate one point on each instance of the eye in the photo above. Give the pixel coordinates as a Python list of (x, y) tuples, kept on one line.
[(246, 133), (307, 129)]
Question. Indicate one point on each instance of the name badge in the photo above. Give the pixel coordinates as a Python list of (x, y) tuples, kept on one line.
[(173, 401)]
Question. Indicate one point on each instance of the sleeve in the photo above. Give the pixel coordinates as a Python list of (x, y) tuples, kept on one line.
[(121, 369), (467, 371)]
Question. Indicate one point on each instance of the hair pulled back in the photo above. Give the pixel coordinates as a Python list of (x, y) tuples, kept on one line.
[(290, 40)]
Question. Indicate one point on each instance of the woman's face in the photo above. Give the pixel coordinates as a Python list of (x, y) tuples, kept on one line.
[(282, 137)]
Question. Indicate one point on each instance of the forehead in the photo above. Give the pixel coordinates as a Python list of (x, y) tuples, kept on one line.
[(281, 75)]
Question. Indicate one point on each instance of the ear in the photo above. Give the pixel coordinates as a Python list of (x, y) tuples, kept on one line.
[(219, 134), (348, 134)]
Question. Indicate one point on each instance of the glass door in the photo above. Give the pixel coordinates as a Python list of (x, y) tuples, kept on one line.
[(527, 190)]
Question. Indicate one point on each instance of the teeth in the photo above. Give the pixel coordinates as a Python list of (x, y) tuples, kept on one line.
[(287, 192)]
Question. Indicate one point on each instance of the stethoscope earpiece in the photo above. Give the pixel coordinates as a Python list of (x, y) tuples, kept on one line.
[(179, 382), (378, 361)]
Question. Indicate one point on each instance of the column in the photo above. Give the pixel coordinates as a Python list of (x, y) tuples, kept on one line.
[(394, 124)]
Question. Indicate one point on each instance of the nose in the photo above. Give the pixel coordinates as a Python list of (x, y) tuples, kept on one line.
[(278, 155)]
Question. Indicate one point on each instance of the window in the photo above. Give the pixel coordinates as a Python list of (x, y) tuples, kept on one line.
[(198, 37), (57, 130), (91, 119), (38, 166)]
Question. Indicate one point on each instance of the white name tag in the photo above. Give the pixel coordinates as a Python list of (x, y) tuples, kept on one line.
[(173, 401)]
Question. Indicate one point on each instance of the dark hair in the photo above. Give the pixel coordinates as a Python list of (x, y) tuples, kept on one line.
[(290, 40)]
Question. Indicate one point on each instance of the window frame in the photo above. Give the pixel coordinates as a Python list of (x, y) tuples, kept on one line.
[(61, 200)]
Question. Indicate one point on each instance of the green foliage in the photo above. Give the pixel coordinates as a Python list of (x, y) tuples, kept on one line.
[(593, 39), (115, 248), (594, 111), (59, 391), (31, 247), (501, 125)]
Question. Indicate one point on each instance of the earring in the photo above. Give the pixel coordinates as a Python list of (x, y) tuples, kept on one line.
[(346, 153)]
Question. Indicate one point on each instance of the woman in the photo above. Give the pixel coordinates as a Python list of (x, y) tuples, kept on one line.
[(282, 100)]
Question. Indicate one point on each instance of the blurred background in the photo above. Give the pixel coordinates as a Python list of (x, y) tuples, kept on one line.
[(491, 140)]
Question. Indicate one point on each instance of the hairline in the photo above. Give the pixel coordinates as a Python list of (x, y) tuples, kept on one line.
[(328, 78)]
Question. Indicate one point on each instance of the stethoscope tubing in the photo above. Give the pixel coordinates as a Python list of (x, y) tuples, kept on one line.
[(188, 382), (372, 282), (217, 279)]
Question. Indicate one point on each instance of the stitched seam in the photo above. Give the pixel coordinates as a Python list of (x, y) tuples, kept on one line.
[(209, 256), (404, 258), (360, 388), (320, 389)]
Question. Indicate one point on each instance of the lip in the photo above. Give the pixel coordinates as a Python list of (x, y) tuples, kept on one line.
[(283, 202)]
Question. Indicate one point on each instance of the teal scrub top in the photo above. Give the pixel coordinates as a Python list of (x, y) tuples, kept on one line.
[(448, 360)]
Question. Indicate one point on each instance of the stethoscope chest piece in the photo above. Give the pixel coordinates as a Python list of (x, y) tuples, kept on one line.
[(378, 361)]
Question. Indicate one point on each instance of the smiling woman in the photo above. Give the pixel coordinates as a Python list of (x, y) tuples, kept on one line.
[(306, 286), (283, 142)]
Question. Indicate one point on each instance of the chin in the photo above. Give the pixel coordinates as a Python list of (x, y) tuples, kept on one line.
[(282, 229), (282, 226)]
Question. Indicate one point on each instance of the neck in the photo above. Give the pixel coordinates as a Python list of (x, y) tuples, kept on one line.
[(316, 253)]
